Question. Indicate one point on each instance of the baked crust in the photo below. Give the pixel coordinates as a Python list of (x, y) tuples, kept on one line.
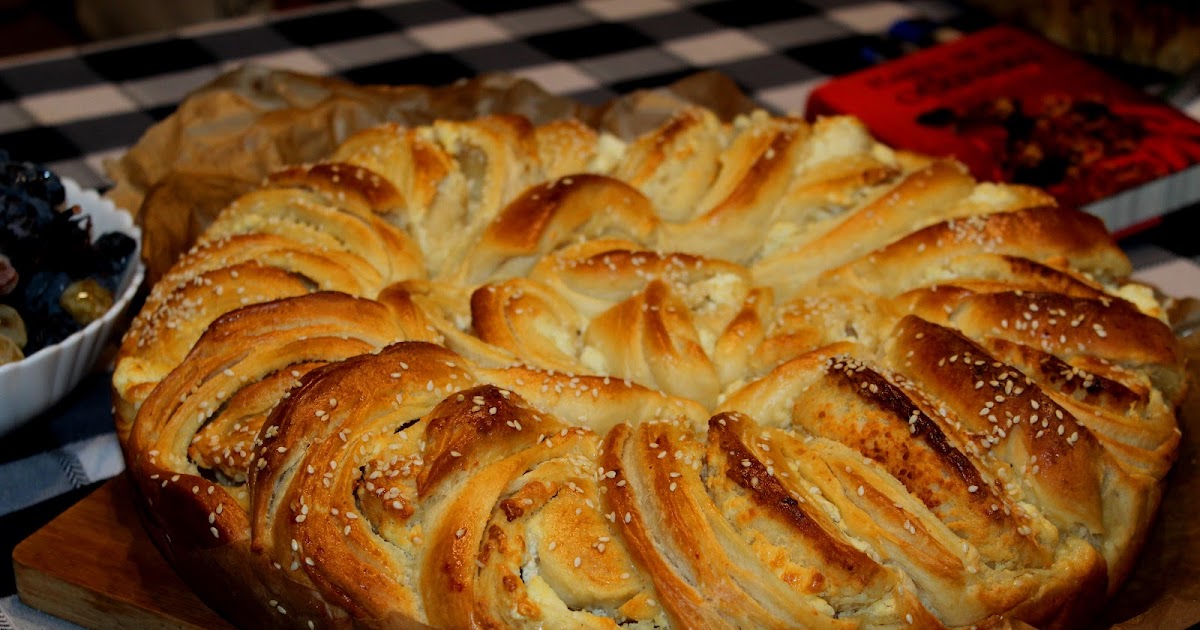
[(749, 374)]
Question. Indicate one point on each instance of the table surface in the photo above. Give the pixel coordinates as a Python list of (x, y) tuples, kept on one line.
[(72, 109)]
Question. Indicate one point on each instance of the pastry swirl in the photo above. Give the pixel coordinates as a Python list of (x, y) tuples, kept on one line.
[(759, 373)]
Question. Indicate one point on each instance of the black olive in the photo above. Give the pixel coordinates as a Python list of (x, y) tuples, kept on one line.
[(39, 296), (111, 252), (35, 179)]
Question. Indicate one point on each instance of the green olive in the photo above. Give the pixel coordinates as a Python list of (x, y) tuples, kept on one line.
[(86, 301)]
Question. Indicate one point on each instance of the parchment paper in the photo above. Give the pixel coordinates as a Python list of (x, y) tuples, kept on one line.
[(227, 135)]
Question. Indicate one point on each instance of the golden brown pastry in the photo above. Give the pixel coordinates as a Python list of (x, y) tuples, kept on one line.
[(756, 374)]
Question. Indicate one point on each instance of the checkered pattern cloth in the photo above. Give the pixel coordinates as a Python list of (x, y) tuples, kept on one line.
[(71, 109)]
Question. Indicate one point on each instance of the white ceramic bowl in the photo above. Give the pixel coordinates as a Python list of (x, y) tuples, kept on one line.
[(32, 385)]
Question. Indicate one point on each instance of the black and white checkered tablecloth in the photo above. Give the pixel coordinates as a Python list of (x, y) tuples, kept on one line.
[(73, 108)]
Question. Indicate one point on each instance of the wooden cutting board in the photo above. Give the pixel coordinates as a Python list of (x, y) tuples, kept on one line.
[(95, 566)]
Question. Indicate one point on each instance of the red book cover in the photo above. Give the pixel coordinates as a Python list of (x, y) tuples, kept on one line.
[(1014, 107)]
